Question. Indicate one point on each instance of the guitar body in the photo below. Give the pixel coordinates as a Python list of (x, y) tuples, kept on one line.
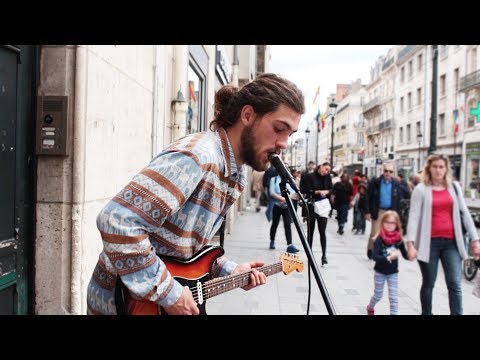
[(196, 274), (191, 272)]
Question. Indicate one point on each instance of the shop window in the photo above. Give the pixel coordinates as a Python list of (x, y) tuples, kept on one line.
[(196, 101)]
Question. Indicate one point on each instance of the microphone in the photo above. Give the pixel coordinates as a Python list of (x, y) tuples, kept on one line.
[(282, 170)]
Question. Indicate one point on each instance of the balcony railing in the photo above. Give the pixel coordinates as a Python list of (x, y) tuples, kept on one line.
[(371, 104), (387, 124), (360, 125), (372, 130), (470, 81)]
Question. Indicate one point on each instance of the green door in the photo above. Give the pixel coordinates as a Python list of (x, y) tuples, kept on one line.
[(8, 120), (17, 82)]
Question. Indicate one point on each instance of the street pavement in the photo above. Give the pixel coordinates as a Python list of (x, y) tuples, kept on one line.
[(347, 278)]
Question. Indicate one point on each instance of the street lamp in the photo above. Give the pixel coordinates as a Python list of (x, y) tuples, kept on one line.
[(291, 154), (333, 110), (419, 137), (316, 146), (295, 153), (307, 131)]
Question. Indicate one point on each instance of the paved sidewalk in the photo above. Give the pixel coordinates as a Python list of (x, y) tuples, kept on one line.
[(348, 277)]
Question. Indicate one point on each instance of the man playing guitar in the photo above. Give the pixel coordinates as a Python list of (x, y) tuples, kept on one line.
[(174, 206)]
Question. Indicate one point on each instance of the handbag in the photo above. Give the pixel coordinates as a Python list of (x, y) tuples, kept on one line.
[(322, 207)]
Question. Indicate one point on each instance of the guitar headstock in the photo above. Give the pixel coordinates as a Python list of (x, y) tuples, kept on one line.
[(290, 262)]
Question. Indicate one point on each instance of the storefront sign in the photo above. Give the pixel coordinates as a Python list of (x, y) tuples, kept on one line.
[(224, 69), (473, 149)]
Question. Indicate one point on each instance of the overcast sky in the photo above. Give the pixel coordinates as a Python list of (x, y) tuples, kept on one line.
[(309, 66)]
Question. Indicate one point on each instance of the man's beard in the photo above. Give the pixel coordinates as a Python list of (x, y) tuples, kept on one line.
[(248, 149)]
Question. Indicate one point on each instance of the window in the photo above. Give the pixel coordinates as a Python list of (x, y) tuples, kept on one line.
[(471, 120), (196, 101), (456, 77), (420, 62), (409, 100), (401, 104), (441, 124), (419, 131), (443, 85), (410, 68), (409, 133), (360, 139), (419, 96), (443, 51), (400, 136), (402, 74), (473, 60)]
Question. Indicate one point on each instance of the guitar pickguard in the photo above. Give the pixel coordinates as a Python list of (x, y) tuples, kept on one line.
[(195, 286)]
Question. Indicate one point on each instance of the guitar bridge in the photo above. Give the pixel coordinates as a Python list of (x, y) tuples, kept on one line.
[(199, 293)]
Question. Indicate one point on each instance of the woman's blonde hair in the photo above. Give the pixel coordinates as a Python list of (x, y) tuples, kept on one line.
[(427, 177), (386, 214)]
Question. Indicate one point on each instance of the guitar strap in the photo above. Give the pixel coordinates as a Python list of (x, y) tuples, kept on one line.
[(120, 295), (222, 230)]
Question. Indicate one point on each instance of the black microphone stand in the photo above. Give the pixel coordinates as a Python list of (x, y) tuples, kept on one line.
[(307, 248)]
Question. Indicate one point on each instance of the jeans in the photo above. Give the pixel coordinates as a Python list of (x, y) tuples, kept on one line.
[(445, 250), (342, 214), (379, 282), (359, 219), (287, 220)]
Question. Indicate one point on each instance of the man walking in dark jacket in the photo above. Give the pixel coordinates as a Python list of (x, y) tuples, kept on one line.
[(384, 193)]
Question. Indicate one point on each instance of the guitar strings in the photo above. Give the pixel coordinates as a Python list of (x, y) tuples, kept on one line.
[(217, 285)]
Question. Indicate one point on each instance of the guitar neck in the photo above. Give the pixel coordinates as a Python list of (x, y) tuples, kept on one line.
[(221, 285)]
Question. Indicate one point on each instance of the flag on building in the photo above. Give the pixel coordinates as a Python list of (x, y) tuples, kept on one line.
[(322, 120), (317, 119), (455, 121), (316, 95)]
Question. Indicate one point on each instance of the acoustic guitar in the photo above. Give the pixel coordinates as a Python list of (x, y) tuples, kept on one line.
[(195, 273)]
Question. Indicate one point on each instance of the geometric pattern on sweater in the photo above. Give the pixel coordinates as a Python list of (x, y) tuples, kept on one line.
[(173, 207)]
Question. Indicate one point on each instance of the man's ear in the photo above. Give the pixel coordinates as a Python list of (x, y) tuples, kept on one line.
[(247, 115)]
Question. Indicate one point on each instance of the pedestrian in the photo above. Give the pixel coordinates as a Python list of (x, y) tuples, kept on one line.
[(434, 232), (341, 197), (294, 196), (175, 205), (335, 179), (303, 186), (257, 187), (355, 181), (269, 173), (473, 189), (280, 208), (319, 187), (387, 246), (383, 193), (359, 204)]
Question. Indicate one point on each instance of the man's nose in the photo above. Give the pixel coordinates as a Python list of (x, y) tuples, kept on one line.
[(282, 143)]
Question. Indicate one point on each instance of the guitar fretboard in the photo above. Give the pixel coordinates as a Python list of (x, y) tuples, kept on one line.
[(218, 286)]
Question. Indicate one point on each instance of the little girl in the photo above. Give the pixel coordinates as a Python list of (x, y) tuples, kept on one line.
[(386, 249)]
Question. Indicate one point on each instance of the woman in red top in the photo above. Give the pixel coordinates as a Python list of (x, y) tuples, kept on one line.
[(434, 232)]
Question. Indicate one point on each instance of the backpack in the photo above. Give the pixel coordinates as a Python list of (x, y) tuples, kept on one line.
[(404, 210)]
